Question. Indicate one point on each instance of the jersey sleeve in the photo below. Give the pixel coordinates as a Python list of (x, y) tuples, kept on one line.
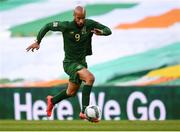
[(105, 29), (52, 26)]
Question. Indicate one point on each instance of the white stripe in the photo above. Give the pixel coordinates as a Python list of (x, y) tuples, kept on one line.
[(144, 9)]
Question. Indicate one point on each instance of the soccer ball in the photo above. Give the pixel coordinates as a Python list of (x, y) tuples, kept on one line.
[(93, 112)]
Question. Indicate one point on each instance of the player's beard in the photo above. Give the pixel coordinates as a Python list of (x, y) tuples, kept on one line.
[(79, 25)]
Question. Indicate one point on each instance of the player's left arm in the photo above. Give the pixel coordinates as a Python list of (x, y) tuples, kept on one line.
[(100, 29)]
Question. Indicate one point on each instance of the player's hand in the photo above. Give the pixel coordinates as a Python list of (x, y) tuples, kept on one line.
[(97, 31), (33, 46)]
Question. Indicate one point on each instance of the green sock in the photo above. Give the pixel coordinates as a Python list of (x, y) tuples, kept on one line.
[(60, 96), (85, 96)]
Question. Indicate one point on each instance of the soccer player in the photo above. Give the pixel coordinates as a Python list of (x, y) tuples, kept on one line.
[(77, 36)]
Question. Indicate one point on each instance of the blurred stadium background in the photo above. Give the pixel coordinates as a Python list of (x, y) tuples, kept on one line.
[(137, 68)]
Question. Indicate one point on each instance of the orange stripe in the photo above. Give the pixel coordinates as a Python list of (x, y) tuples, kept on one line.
[(46, 83), (170, 71), (161, 21), (158, 81), (37, 84)]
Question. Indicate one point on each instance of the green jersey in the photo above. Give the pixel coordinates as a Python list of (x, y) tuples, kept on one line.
[(77, 41)]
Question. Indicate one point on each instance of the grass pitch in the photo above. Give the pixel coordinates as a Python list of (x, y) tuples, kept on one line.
[(79, 125)]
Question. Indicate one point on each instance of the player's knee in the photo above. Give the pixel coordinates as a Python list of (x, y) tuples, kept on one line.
[(71, 93), (90, 80)]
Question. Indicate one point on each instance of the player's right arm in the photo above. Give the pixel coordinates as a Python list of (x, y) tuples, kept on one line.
[(52, 26)]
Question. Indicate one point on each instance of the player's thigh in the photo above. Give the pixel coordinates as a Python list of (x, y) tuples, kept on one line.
[(85, 75), (72, 88)]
